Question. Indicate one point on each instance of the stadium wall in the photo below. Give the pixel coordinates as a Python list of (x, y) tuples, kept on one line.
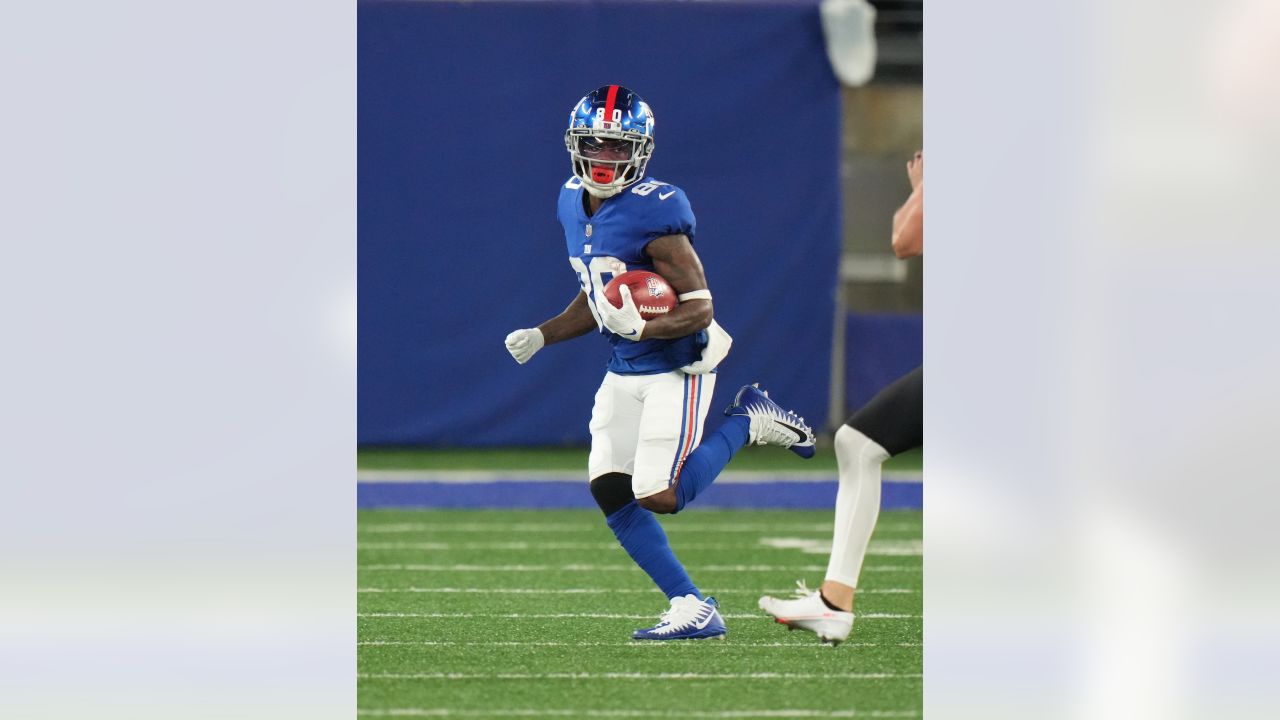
[(879, 348), (462, 108)]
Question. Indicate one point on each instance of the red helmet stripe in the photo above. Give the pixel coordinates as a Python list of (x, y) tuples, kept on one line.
[(608, 103)]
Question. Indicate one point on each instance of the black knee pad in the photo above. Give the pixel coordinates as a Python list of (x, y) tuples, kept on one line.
[(612, 492)]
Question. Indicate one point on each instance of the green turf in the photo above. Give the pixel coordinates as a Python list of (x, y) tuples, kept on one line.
[(454, 662), (571, 459)]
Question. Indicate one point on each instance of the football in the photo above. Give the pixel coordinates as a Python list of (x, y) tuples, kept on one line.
[(652, 295)]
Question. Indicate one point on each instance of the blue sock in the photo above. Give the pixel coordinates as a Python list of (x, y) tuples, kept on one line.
[(705, 463), (645, 541)]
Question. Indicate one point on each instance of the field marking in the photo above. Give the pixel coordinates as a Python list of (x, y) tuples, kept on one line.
[(555, 643), (605, 616), (811, 546), (638, 676), (728, 477), (603, 591), (618, 568), (672, 528), (534, 712), (805, 545)]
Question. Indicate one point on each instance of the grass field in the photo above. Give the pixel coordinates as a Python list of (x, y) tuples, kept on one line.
[(571, 459), (481, 613)]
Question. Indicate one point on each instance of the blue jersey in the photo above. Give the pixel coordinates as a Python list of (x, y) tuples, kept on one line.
[(612, 242)]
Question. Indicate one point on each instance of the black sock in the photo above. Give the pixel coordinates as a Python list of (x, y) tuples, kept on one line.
[(827, 602)]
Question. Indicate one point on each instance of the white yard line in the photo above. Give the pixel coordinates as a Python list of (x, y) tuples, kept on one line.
[(810, 546), (597, 616), (619, 568), (602, 591), (639, 676), (552, 643), (534, 712), (728, 477)]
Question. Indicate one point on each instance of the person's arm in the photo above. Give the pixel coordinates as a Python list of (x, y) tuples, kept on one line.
[(675, 260), (575, 321), (908, 221), (908, 225)]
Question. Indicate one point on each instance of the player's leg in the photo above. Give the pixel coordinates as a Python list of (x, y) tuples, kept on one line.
[(675, 406), (890, 424), (615, 424), (753, 418), (675, 411), (641, 535)]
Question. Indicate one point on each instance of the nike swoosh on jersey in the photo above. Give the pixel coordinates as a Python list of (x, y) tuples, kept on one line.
[(664, 196)]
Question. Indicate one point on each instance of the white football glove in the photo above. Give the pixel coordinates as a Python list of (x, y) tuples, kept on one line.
[(624, 321), (522, 344), (718, 343)]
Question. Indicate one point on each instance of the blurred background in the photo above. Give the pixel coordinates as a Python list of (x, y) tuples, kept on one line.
[(179, 501), (793, 176)]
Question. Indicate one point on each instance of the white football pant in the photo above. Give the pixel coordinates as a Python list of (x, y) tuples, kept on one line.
[(646, 425)]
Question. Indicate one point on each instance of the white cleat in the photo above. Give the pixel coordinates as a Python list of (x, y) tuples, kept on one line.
[(809, 612), (770, 424), (688, 619)]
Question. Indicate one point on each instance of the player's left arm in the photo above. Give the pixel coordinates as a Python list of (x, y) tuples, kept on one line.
[(675, 260)]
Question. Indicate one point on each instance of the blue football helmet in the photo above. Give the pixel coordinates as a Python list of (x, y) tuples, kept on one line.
[(610, 139)]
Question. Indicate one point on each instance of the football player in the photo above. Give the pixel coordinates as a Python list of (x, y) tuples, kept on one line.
[(648, 451), (891, 423)]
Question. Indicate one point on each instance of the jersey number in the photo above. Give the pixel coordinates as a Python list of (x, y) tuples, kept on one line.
[(645, 188), (593, 278)]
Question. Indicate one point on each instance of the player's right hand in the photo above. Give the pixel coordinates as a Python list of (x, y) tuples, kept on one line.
[(522, 344), (626, 321)]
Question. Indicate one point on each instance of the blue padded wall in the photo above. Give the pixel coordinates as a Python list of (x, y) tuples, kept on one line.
[(462, 109), (879, 348)]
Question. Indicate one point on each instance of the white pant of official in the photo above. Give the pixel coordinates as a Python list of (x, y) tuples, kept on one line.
[(646, 425)]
